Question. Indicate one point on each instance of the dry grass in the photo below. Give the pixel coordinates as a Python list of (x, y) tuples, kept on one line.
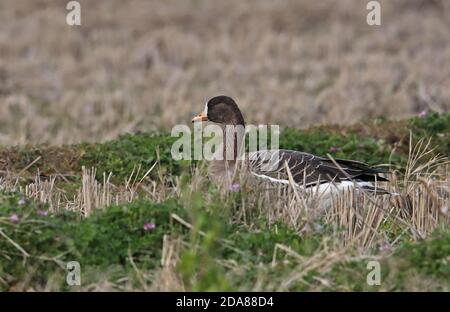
[(142, 65), (91, 194), (360, 221), (362, 227), (145, 65), (419, 204)]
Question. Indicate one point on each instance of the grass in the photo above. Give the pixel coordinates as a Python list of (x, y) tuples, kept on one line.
[(85, 159), (145, 66), (257, 238), (128, 152), (114, 242), (376, 142), (44, 242)]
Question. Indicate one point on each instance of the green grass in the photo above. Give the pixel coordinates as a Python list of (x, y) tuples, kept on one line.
[(104, 241), (375, 142), (129, 152), (101, 241), (412, 262)]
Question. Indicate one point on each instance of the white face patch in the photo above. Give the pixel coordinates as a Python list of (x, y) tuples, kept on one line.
[(206, 109)]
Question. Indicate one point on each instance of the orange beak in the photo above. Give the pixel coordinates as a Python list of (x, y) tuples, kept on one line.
[(200, 117)]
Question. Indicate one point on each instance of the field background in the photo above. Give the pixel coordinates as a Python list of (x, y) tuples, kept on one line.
[(146, 65), (86, 172)]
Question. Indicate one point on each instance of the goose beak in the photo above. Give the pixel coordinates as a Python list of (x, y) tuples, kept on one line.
[(200, 117)]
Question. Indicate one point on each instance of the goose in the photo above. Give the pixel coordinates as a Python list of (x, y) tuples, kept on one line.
[(282, 166)]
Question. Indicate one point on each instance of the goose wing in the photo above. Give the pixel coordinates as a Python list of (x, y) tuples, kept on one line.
[(308, 169)]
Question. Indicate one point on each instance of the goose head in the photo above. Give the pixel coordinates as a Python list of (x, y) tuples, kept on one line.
[(222, 110)]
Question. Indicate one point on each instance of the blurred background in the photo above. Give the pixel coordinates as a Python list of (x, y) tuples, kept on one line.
[(146, 65)]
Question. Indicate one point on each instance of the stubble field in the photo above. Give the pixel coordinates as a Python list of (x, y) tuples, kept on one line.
[(86, 172)]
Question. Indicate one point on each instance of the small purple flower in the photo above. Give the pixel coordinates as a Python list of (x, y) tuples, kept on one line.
[(234, 187), (385, 247), (148, 226), (334, 149), (42, 213), (14, 218), (423, 114)]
